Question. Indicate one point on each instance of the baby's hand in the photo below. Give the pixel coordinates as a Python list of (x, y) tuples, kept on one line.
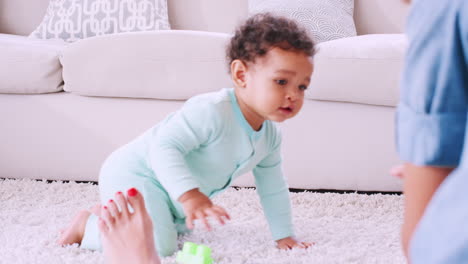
[(290, 242), (199, 206), (398, 171)]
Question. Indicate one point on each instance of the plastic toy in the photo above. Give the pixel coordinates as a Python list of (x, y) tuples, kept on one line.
[(194, 254)]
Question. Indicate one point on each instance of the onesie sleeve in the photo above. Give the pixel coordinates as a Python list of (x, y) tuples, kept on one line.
[(190, 128), (273, 191), (431, 115)]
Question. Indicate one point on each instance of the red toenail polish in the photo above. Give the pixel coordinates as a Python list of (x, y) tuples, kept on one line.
[(111, 201), (132, 192), (105, 207), (119, 192)]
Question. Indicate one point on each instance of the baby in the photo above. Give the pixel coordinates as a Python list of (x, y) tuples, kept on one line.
[(196, 152)]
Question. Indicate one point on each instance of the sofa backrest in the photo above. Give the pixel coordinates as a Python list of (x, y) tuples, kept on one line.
[(380, 16), (207, 15), (21, 17), (370, 16)]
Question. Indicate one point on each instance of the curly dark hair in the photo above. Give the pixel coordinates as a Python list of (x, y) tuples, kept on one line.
[(264, 31)]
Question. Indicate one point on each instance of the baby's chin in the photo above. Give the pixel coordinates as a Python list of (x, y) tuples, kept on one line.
[(280, 119)]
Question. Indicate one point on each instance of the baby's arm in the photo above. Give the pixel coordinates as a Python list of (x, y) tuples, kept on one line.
[(274, 196), (184, 131)]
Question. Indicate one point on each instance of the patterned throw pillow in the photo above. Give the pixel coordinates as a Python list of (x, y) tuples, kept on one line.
[(72, 20), (325, 19)]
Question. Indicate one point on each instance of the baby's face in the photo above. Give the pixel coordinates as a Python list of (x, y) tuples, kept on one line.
[(276, 83)]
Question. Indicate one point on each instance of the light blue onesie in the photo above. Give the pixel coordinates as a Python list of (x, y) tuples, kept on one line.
[(205, 145)]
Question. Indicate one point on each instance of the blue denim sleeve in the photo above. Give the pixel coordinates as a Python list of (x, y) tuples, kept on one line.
[(432, 112)]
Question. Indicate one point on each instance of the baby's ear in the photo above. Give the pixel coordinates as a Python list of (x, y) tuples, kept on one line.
[(238, 71)]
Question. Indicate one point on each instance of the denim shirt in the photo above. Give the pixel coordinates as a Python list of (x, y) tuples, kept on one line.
[(431, 124), (432, 112)]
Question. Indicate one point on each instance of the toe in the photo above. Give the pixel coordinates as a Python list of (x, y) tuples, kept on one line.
[(136, 200), (102, 225), (112, 208), (122, 202), (107, 217)]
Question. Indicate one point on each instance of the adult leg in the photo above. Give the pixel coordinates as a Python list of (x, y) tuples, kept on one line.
[(442, 233), (420, 183)]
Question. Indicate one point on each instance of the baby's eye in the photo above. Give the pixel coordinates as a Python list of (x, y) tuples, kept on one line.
[(302, 87), (281, 82)]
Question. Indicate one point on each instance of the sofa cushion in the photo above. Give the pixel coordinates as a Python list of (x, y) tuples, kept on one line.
[(363, 69), (163, 65), (29, 66)]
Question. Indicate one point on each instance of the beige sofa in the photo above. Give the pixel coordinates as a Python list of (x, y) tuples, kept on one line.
[(343, 138)]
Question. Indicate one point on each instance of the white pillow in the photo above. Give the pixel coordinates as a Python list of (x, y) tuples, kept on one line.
[(72, 20), (324, 19), (30, 66)]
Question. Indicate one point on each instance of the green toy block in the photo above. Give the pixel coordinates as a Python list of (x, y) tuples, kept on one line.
[(194, 254)]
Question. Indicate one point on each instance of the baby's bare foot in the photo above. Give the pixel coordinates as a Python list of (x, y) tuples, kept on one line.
[(96, 210), (127, 237), (75, 231)]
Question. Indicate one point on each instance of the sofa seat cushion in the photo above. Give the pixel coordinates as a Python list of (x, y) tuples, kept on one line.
[(364, 69), (169, 64), (29, 66)]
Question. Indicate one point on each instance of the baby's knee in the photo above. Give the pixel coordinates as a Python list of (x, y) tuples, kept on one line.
[(166, 249)]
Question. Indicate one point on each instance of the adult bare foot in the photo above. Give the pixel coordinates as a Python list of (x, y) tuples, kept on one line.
[(127, 237), (75, 231)]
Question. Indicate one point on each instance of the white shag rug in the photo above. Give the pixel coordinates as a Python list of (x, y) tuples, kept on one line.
[(347, 228)]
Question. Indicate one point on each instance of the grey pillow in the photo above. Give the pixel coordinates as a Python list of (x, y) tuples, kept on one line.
[(324, 19), (72, 20)]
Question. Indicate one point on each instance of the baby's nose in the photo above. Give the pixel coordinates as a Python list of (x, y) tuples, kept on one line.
[(292, 94)]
